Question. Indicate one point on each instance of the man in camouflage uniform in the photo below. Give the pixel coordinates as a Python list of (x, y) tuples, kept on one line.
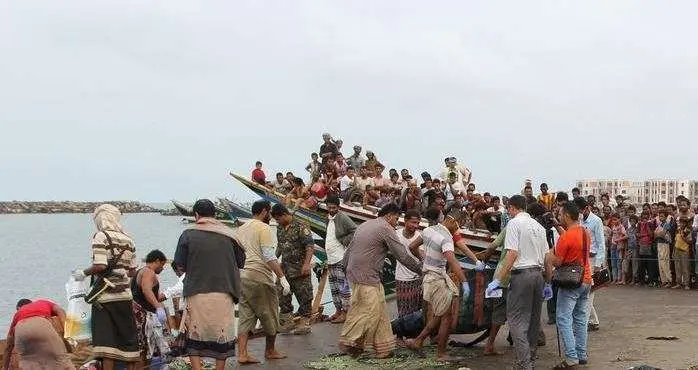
[(296, 247)]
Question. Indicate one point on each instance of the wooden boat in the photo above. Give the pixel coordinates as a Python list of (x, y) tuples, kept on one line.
[(234, 209), (317, 218), (183, 209), (186, 211)]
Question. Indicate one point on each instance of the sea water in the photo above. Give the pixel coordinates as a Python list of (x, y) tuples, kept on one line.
[(38, 252)]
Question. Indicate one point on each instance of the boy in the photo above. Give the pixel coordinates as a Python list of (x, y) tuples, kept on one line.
[(662, 238), (630, 266), (619, 237), (684, 239), (645, 238)]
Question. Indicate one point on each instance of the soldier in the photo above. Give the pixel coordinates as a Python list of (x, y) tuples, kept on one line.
[(295, 246)]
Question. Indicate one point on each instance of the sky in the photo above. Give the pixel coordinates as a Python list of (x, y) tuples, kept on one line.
[(158, 100)]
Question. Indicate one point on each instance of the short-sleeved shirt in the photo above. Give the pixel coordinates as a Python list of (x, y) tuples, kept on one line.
[(38, 308), (570, 248), (437, 240), (255, 235), (103, 252), (617, 233), (526, 236), (294, 241), (258, 176)]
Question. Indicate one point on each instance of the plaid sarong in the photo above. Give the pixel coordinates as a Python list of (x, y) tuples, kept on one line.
[(409, 296), (337, 280)]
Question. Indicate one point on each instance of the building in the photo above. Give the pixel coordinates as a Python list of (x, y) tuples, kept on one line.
[(639, 192)]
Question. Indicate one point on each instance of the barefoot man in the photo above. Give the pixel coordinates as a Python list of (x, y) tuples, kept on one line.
[(439, 289), (259, 297), (368, 323)]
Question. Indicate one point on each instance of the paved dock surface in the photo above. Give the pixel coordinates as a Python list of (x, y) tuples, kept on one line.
[(628, 316)]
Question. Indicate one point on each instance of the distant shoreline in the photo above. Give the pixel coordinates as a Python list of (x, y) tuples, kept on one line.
[(58, 207)]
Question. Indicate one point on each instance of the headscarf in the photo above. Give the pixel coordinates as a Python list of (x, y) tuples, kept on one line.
[(108, 218)]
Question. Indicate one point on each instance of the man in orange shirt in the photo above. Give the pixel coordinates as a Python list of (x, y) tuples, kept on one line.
[(572, 303)]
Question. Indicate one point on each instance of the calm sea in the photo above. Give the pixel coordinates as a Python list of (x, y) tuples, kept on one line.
[(38, 252)]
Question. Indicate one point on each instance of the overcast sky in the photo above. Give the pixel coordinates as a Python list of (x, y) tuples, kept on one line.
[(153, 100)]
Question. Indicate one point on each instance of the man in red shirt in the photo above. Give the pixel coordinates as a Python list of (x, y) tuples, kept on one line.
[(572, 303), (258, 174), (30, 327)]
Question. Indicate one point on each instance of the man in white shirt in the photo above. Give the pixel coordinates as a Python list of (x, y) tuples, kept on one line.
[(463, 173), (340, 231), (408, 285), (346, 182), (526, 247)]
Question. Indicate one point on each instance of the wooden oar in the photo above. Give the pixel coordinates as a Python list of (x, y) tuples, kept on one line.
[(315, 312)]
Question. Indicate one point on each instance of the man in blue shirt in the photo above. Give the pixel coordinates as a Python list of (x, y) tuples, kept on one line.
[(597, 251)]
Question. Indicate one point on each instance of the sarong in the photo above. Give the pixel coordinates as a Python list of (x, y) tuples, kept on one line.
[(368, 324), (39, 346), (210, 326), (259, 301), (439, 291), (152, 336), (337, 279), (114, 332), (409, 296)]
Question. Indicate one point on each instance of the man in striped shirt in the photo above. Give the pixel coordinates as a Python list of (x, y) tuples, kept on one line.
[(439, 289)]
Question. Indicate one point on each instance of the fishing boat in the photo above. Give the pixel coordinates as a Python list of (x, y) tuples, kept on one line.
[(316, 219), (235, 210), (184, 209)]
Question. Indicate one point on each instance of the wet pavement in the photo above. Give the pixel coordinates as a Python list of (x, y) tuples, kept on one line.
[(628, 316)]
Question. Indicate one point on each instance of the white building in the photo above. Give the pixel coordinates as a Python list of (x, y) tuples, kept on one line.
[(638, 192)]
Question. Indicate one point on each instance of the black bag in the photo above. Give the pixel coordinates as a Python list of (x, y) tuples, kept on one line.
[(99, 283), (600, 278), (571, 275)]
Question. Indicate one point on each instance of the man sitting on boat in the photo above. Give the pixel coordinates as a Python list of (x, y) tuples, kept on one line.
[(258, 174), (464, 174), (282, 185)]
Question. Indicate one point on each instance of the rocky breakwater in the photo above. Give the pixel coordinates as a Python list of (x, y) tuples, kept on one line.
[(20, 207)]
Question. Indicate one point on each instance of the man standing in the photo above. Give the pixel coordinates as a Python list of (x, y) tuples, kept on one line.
[(572, 306), (408, 285), (259, 296), (463, 173), (114, 332), (340, 231), (597, 254), (368, 323), (356, 160), (545, 198), (295, 247), (439, 289), (525, 259), (328, 149), (148, 309), (576, 193), (211, 257), (528, 195)]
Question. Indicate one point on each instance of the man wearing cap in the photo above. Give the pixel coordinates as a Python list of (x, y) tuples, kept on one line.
[(463, 173), (356, 160)]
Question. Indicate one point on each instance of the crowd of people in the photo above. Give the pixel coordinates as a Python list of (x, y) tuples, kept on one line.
[(220, 269)]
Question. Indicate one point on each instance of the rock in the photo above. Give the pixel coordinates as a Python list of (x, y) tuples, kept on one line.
[(16, 207)]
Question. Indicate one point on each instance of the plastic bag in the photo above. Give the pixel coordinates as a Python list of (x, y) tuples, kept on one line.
[(79, 312)]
